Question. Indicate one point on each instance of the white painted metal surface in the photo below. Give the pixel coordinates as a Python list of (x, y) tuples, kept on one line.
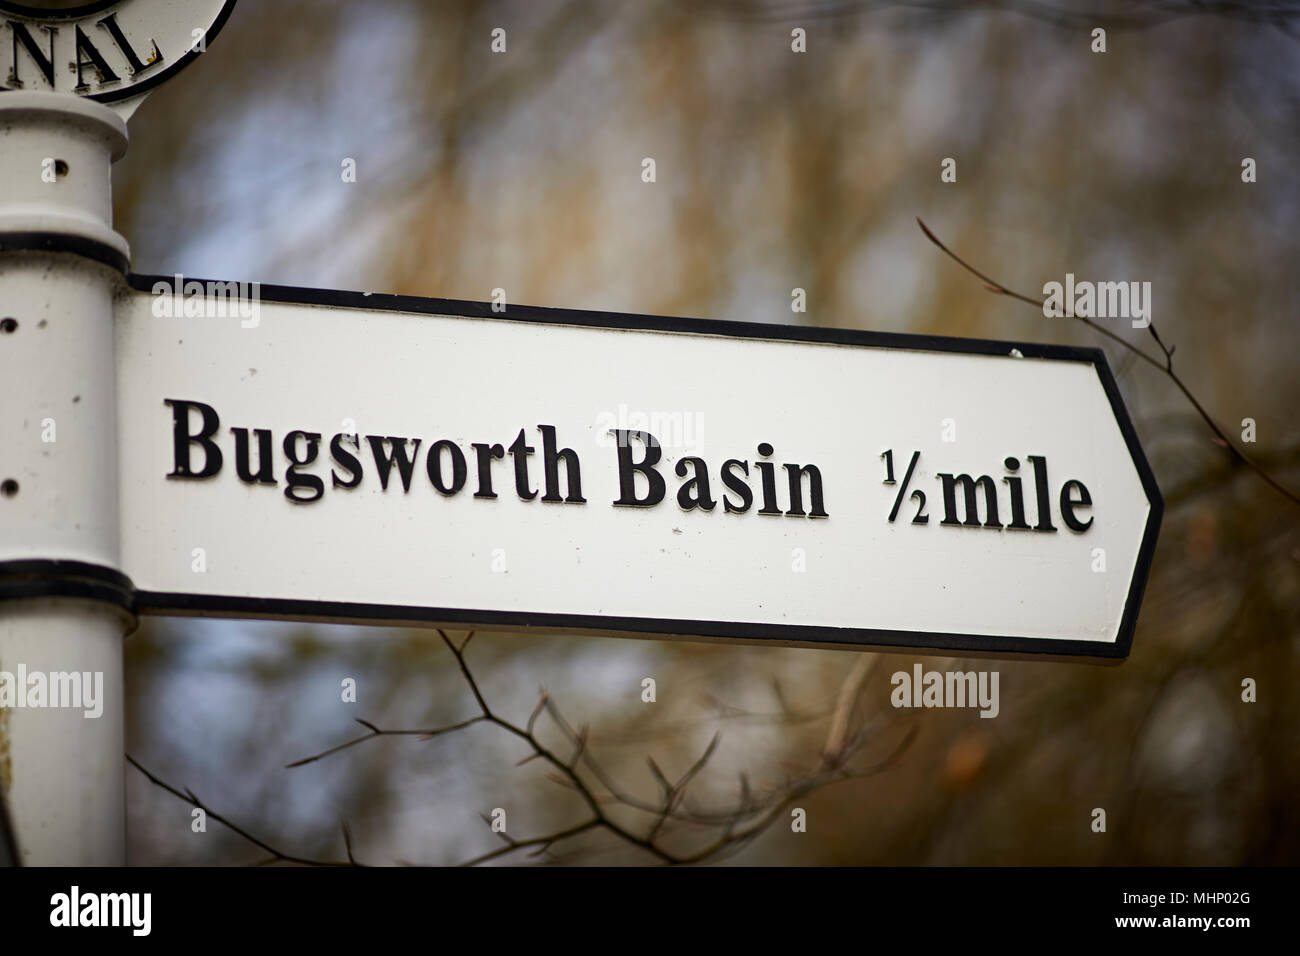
[(57, 151), (62, 772), (331, 370)]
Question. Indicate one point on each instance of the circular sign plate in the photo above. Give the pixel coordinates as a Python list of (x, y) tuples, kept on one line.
[(112, 51)]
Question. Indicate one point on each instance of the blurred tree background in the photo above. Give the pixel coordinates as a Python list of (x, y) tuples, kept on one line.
[(775, 170)]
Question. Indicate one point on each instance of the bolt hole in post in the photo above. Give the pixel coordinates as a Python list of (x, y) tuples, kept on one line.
[(8, 488), (8, 325), (60, 168)]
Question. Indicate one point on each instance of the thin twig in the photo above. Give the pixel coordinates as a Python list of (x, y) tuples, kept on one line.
[(277, 855), (1166, 365), (376, 732)]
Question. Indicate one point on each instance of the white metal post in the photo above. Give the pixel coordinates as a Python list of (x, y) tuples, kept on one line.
[(64, 605)]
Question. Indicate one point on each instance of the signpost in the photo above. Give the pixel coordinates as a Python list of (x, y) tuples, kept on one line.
[(288, 453), (319, 455)]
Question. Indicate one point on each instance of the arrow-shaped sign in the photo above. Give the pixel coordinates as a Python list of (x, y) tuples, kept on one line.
[(302, 454)]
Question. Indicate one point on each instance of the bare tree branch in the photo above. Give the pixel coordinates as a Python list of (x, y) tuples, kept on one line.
[(1166, 365), (277, 856), (739, 824)]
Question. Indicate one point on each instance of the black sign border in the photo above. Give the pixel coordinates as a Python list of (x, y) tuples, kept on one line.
[(40, 15), (178, 604)]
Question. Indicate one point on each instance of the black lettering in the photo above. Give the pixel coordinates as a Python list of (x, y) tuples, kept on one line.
[(43, 63), (519, 452), (968, 485), (346, 459), (384, 459), (768, 472), (265, 466), (1069, 503), (182, 439), (88, 55), (301, 488), (736, 484), (1043, 495), (698, 483), (109, 23), (485, 455), (627, 469), (795, 475), (1018, 522), (458, 469), (551, 461)]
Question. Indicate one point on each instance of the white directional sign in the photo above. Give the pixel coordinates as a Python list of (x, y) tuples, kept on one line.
[(302, 454), (112, 51)]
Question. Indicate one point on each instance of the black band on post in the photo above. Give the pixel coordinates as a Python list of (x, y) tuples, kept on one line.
[(41, 577), (59, 242)]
